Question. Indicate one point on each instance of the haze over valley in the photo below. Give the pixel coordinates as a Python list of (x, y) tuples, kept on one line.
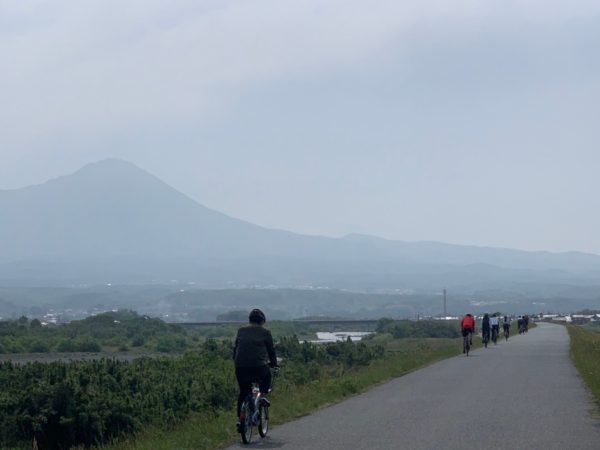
[(112, 235)]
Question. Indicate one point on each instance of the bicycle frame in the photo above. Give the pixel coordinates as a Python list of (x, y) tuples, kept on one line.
[(254, 397), (467, 343), (250, 414)]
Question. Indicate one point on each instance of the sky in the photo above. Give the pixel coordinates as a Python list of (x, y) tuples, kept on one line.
[(471, 122)]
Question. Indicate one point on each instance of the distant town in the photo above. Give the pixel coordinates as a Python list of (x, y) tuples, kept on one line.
[(53, 316)]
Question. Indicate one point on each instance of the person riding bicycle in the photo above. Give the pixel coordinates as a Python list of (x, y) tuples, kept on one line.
[(467, 327), (520, 323), (254, 355), (506, 324), (526, 322), (485, 327), (495, 325)]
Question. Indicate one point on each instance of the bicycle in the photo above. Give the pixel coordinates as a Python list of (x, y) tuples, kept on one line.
[(506, 333), (494, 335), (255, 413), (466, 342), (485, 338)]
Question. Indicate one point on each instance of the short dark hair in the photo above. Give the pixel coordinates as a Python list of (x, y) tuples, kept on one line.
[(257, 316)]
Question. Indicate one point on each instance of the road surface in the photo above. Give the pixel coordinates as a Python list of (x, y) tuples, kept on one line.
[(523, 394)]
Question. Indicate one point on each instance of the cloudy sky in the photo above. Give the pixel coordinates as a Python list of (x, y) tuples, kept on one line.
[(473, 122)]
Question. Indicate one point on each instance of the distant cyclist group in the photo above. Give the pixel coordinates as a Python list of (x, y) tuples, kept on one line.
[(490, 328)]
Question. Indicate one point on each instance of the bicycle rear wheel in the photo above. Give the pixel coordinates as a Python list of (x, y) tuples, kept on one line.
[(263, 421), (246, 423)]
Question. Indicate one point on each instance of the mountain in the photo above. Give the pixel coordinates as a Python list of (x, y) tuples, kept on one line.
[(112, 209), (113, 221)]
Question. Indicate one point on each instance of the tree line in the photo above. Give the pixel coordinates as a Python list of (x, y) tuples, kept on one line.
[(111, 331)]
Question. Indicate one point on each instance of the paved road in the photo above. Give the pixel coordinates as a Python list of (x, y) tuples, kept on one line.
[(523, 394)]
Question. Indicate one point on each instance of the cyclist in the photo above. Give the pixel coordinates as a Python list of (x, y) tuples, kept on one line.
[(254, 354), (467, 327), (506, 325), (485, 328), (520, 324), (495, 324), (526, 323)]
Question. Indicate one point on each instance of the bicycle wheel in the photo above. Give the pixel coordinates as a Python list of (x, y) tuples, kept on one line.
[(263, 420), (466, 345), (246, 423)]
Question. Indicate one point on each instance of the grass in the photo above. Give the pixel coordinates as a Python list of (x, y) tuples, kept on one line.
[(585, 353), (217, 430)]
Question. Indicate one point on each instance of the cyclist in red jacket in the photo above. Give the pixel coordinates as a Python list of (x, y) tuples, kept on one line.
[(467, 327)]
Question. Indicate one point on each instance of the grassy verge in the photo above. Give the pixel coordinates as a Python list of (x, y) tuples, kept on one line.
[(585, 353), (217, 430)]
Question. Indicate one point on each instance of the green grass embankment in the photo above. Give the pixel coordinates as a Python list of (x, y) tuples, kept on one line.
[(585, 353), (212, 431)]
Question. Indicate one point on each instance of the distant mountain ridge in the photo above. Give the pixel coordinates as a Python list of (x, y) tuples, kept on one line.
[(112, 218), (469, 254)]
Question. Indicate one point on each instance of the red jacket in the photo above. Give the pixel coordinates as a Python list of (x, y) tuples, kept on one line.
[(468, 322)]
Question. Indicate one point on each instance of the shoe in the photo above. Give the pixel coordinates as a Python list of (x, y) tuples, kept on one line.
[(238, 427)]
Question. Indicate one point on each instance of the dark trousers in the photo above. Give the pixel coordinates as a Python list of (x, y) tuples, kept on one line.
[(248, 375), (485, 333)]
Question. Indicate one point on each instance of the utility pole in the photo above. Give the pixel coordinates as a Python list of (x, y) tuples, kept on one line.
[(445, 309)]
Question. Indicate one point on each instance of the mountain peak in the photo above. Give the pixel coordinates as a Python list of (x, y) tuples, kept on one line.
[(109, 165), (113, 172)]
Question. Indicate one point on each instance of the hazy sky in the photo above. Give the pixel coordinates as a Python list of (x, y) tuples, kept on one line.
[(472, 122)]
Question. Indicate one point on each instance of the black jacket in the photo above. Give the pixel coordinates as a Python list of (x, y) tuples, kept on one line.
[(485, 324), (254, 347)]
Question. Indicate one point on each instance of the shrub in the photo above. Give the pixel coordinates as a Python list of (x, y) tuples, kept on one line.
[(170, 343), (38, 346), (66, 345), (138, 341), (87, 344)]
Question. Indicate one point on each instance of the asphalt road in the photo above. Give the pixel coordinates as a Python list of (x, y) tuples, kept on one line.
[(523, 394)]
